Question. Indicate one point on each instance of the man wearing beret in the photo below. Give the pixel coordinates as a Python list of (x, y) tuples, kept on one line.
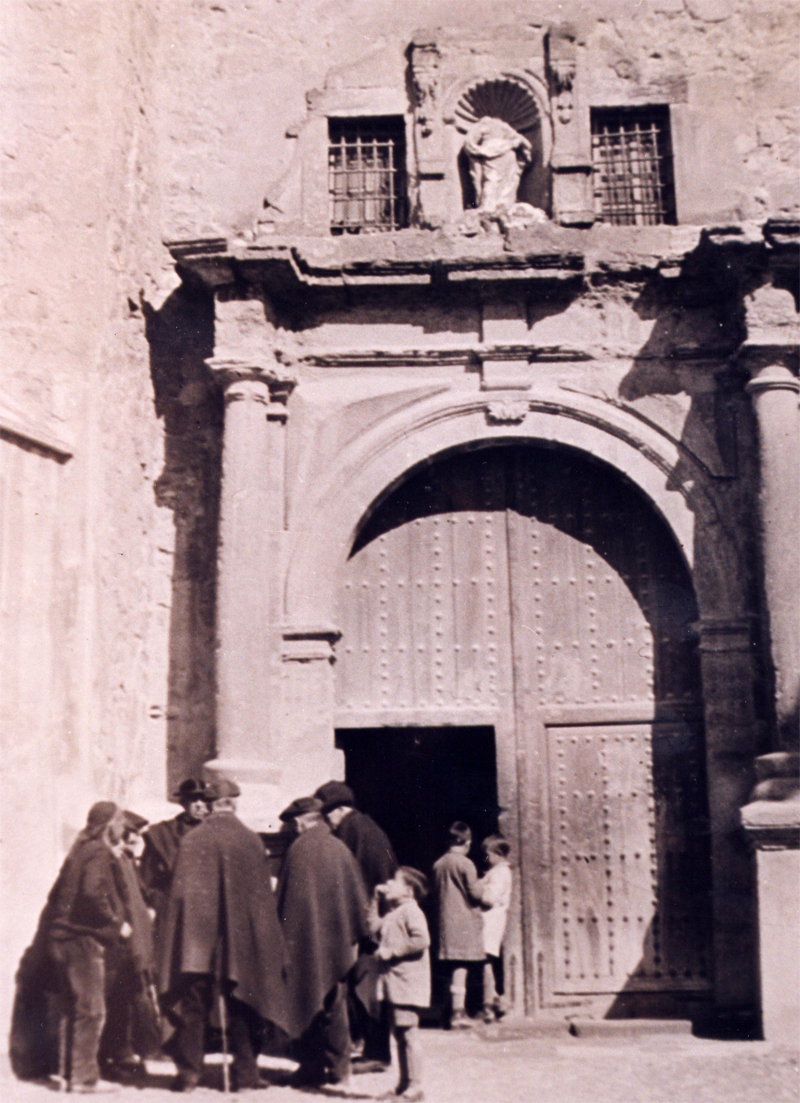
[(84, 920), (376, 858), (221, 938), (322, 903), (161, 842)]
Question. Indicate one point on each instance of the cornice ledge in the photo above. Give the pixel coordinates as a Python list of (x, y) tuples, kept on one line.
[(460, 356), (34, 428)]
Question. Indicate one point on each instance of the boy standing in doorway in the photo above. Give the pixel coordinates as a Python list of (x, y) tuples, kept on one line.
[(496, 891), (458, 899)]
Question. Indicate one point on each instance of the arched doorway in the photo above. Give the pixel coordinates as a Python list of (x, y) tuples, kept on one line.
[(518, 649)]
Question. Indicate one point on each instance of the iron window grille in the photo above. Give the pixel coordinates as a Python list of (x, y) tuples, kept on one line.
[(632, 166), (367, 175)]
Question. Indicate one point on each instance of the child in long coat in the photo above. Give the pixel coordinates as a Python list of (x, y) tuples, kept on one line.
[(405, 977), (458, 900)]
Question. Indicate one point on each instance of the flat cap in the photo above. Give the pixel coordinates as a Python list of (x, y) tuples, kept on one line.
[(300, 807), (191, 789), (335, 793), (222, 788), (132, 821)]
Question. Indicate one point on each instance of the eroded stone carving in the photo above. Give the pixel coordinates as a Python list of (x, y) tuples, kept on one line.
[(497, 156), (507, 411), (425, 84)]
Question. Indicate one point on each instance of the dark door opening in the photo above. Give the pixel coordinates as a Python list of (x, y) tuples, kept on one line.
[(415, 782)]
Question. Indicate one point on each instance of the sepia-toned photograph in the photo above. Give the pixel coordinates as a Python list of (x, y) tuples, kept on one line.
[(400, 550)]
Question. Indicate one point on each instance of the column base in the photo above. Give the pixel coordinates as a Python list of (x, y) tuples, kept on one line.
[(268, 787), (773, 827)]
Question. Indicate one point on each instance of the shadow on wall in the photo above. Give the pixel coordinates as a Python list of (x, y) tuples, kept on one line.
[(699, 324), (181, 337)]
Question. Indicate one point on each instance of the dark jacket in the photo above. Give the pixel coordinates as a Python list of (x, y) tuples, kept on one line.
[(322, 903), (221, 918), (86, 899), (370, 846), (140, 944), (161, 842)]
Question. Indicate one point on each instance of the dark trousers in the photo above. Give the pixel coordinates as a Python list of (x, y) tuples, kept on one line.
[(324, 1049), (82, 973), (243, 1030), (369, 1018)]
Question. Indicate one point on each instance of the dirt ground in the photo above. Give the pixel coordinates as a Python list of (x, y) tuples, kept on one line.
[(510, 1064)]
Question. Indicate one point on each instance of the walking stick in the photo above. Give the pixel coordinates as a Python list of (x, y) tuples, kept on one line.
[(223, 1022)]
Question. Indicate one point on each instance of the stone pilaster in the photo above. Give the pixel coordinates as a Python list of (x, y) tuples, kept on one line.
[(774, 391), (424, 59), (248, 577), (308, 754), (571, 160), (726, 655)]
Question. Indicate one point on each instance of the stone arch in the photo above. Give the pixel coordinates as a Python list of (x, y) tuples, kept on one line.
[(519, 100), (365, 471)]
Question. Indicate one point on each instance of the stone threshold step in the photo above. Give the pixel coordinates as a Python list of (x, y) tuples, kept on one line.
[(629, 1028)]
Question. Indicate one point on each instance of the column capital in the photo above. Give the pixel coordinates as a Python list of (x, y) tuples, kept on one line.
[(252, 380)]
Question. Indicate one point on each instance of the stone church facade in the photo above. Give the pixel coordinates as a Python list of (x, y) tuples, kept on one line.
[(448, 444)]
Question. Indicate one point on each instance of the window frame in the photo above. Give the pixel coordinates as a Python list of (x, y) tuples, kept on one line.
[(642, 191), (374, 196)]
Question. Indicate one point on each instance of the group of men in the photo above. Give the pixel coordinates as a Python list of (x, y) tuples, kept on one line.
[(231, 950)]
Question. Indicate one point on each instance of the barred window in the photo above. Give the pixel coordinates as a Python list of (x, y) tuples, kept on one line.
[(367, 174), (632, 166)]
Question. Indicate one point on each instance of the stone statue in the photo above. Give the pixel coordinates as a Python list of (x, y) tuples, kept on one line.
[(497, 155)]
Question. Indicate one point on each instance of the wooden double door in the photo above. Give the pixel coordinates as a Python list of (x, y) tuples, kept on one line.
[(534, 592)]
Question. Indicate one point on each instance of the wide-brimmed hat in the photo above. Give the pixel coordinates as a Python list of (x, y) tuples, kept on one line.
[(191, 789), (222, 788), (333, 794), (300, 807)]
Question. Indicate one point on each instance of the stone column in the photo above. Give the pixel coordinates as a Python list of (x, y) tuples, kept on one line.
[(726, 657), (248, 580), (774, 391), (772, 823)]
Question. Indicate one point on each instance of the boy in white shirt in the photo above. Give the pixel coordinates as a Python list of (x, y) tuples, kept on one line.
[(495, 886)]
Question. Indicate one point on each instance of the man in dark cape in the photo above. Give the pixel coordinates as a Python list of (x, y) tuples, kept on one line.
[(221, 934), (322, 904), (161, 842), (375, 855)]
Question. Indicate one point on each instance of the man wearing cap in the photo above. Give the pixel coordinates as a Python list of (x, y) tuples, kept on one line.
[(84, 919), (376, 858), (161, 842), (368, 842), (322, 903), (222, 943)]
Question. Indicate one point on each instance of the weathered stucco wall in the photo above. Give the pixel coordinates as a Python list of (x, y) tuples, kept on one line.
[(86, 649)]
